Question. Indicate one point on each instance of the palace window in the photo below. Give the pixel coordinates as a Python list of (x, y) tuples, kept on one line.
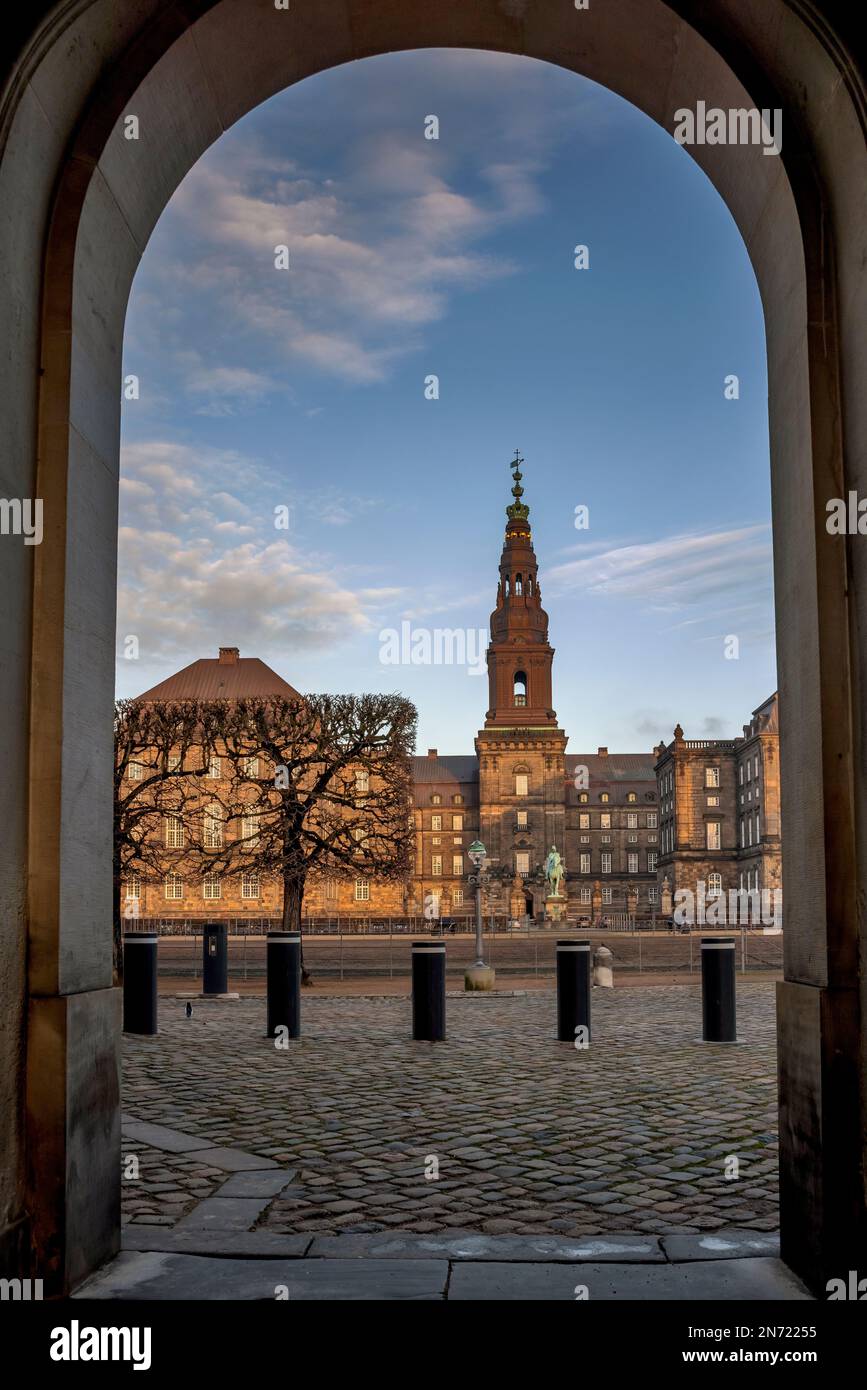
[(603, 796), (457, 822), (522, 784), (174, 762), (211, 887), (651, 895), (714, 885), (174, 886), (584, 839), (632, 820), (362, 890), (250, 766), (135, 772), (713, 831), (605, 820), (630, 796), (215, 766), (436, 840), (606, 862), (436, 799), (133, 886), (457, 800), (711, 776), (250, 886), (522, 862), (362, 782), (651, 861), (583, 797), (520, 688), (250, 829), (608, 894), (713, 801), (606, 839), (632, 839), (651, 820), (213, 828), (632, 863), (585, 893), (458, 897), (436, 822), (584, 820), (522, 820), (330, 887), (436, 865), (174, 832), (584, 863), (457, 865)]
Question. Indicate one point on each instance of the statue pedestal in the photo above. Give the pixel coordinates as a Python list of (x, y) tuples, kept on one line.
[(555, 909), (479, 978)]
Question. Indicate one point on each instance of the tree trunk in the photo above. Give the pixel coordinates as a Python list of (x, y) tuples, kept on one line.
[(293, 896)]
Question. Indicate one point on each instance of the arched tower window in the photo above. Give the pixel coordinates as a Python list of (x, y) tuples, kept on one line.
[(508, 587), (529, 584), (519, 587), (520, 688)]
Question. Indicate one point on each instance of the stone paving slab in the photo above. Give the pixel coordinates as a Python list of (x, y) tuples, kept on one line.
[(169, 1277), (704, 1281), (257, 1183), (223, 1214), (722, 1245), (497, 1248), (233, 1160), (160, 1136), (263, 1245)]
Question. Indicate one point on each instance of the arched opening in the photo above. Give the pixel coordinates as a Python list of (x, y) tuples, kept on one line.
[(86, 211), (520, 688)]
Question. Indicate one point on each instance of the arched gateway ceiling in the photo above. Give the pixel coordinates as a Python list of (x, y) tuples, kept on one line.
[(80, 202)]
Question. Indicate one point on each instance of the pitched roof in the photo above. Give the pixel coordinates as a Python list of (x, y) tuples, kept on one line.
[(615, 767), (456, 767), (227, 677)]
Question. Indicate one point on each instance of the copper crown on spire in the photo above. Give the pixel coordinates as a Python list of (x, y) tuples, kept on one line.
[(517, 510)]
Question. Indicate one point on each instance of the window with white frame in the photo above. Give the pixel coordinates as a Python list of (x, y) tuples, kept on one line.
[(173, 829), (651, 820), (714, 885), (211, 888), (651, 861), (607, 894), (631, 820), (522, 861), (711, 776), (604, 797), (651, 894), (250, 766), (584, 863), (713, 801), (133, 886), (215, 766), (436, 865), (713, 831), (584, 839), (630, 796), (213, 828), (584, 820), (606, 862), (605, 820), (173, 886), (586, 893), (457, 799), (362, 782), (250, 886), (632, 839), (632, 863), (250, 830), (436, 822), (457, 822), (522, 784), (457, 865), (741, 774), (362, 890), (135, 772), (436, 799), (522, 820), (756, 766), (458, 897), (174, 762), (330, 888)]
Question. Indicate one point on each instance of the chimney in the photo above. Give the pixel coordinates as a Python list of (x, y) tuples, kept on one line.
[(602, 753), (432, 753), (229, 656)]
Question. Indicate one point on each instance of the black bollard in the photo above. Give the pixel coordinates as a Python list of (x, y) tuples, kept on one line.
[(140, 982), (428, 991), (283, 950), (215, 958), (718, 1022), (573, 989)]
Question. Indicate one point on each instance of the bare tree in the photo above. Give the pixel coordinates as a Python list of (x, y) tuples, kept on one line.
[(160, 751), (322, 785)]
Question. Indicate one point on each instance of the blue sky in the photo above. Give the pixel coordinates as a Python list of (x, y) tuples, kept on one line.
[(264, 388)]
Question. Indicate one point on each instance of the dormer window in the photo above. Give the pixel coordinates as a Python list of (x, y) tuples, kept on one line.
[(436, 799), (520, 688)]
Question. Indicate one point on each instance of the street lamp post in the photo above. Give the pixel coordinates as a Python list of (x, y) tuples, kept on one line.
[(479, 976)]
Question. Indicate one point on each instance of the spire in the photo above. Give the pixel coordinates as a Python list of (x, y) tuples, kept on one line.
[(517, 510)]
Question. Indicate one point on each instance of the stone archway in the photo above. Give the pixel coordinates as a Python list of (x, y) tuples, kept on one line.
[(81, 204)]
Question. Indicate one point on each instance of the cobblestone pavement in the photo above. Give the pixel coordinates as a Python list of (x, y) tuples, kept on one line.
[(527, 1135)]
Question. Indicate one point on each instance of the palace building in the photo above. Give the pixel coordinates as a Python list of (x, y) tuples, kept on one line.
[(621, 822)]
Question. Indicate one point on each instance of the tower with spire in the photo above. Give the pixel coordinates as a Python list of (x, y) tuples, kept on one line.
[(521, 749)]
